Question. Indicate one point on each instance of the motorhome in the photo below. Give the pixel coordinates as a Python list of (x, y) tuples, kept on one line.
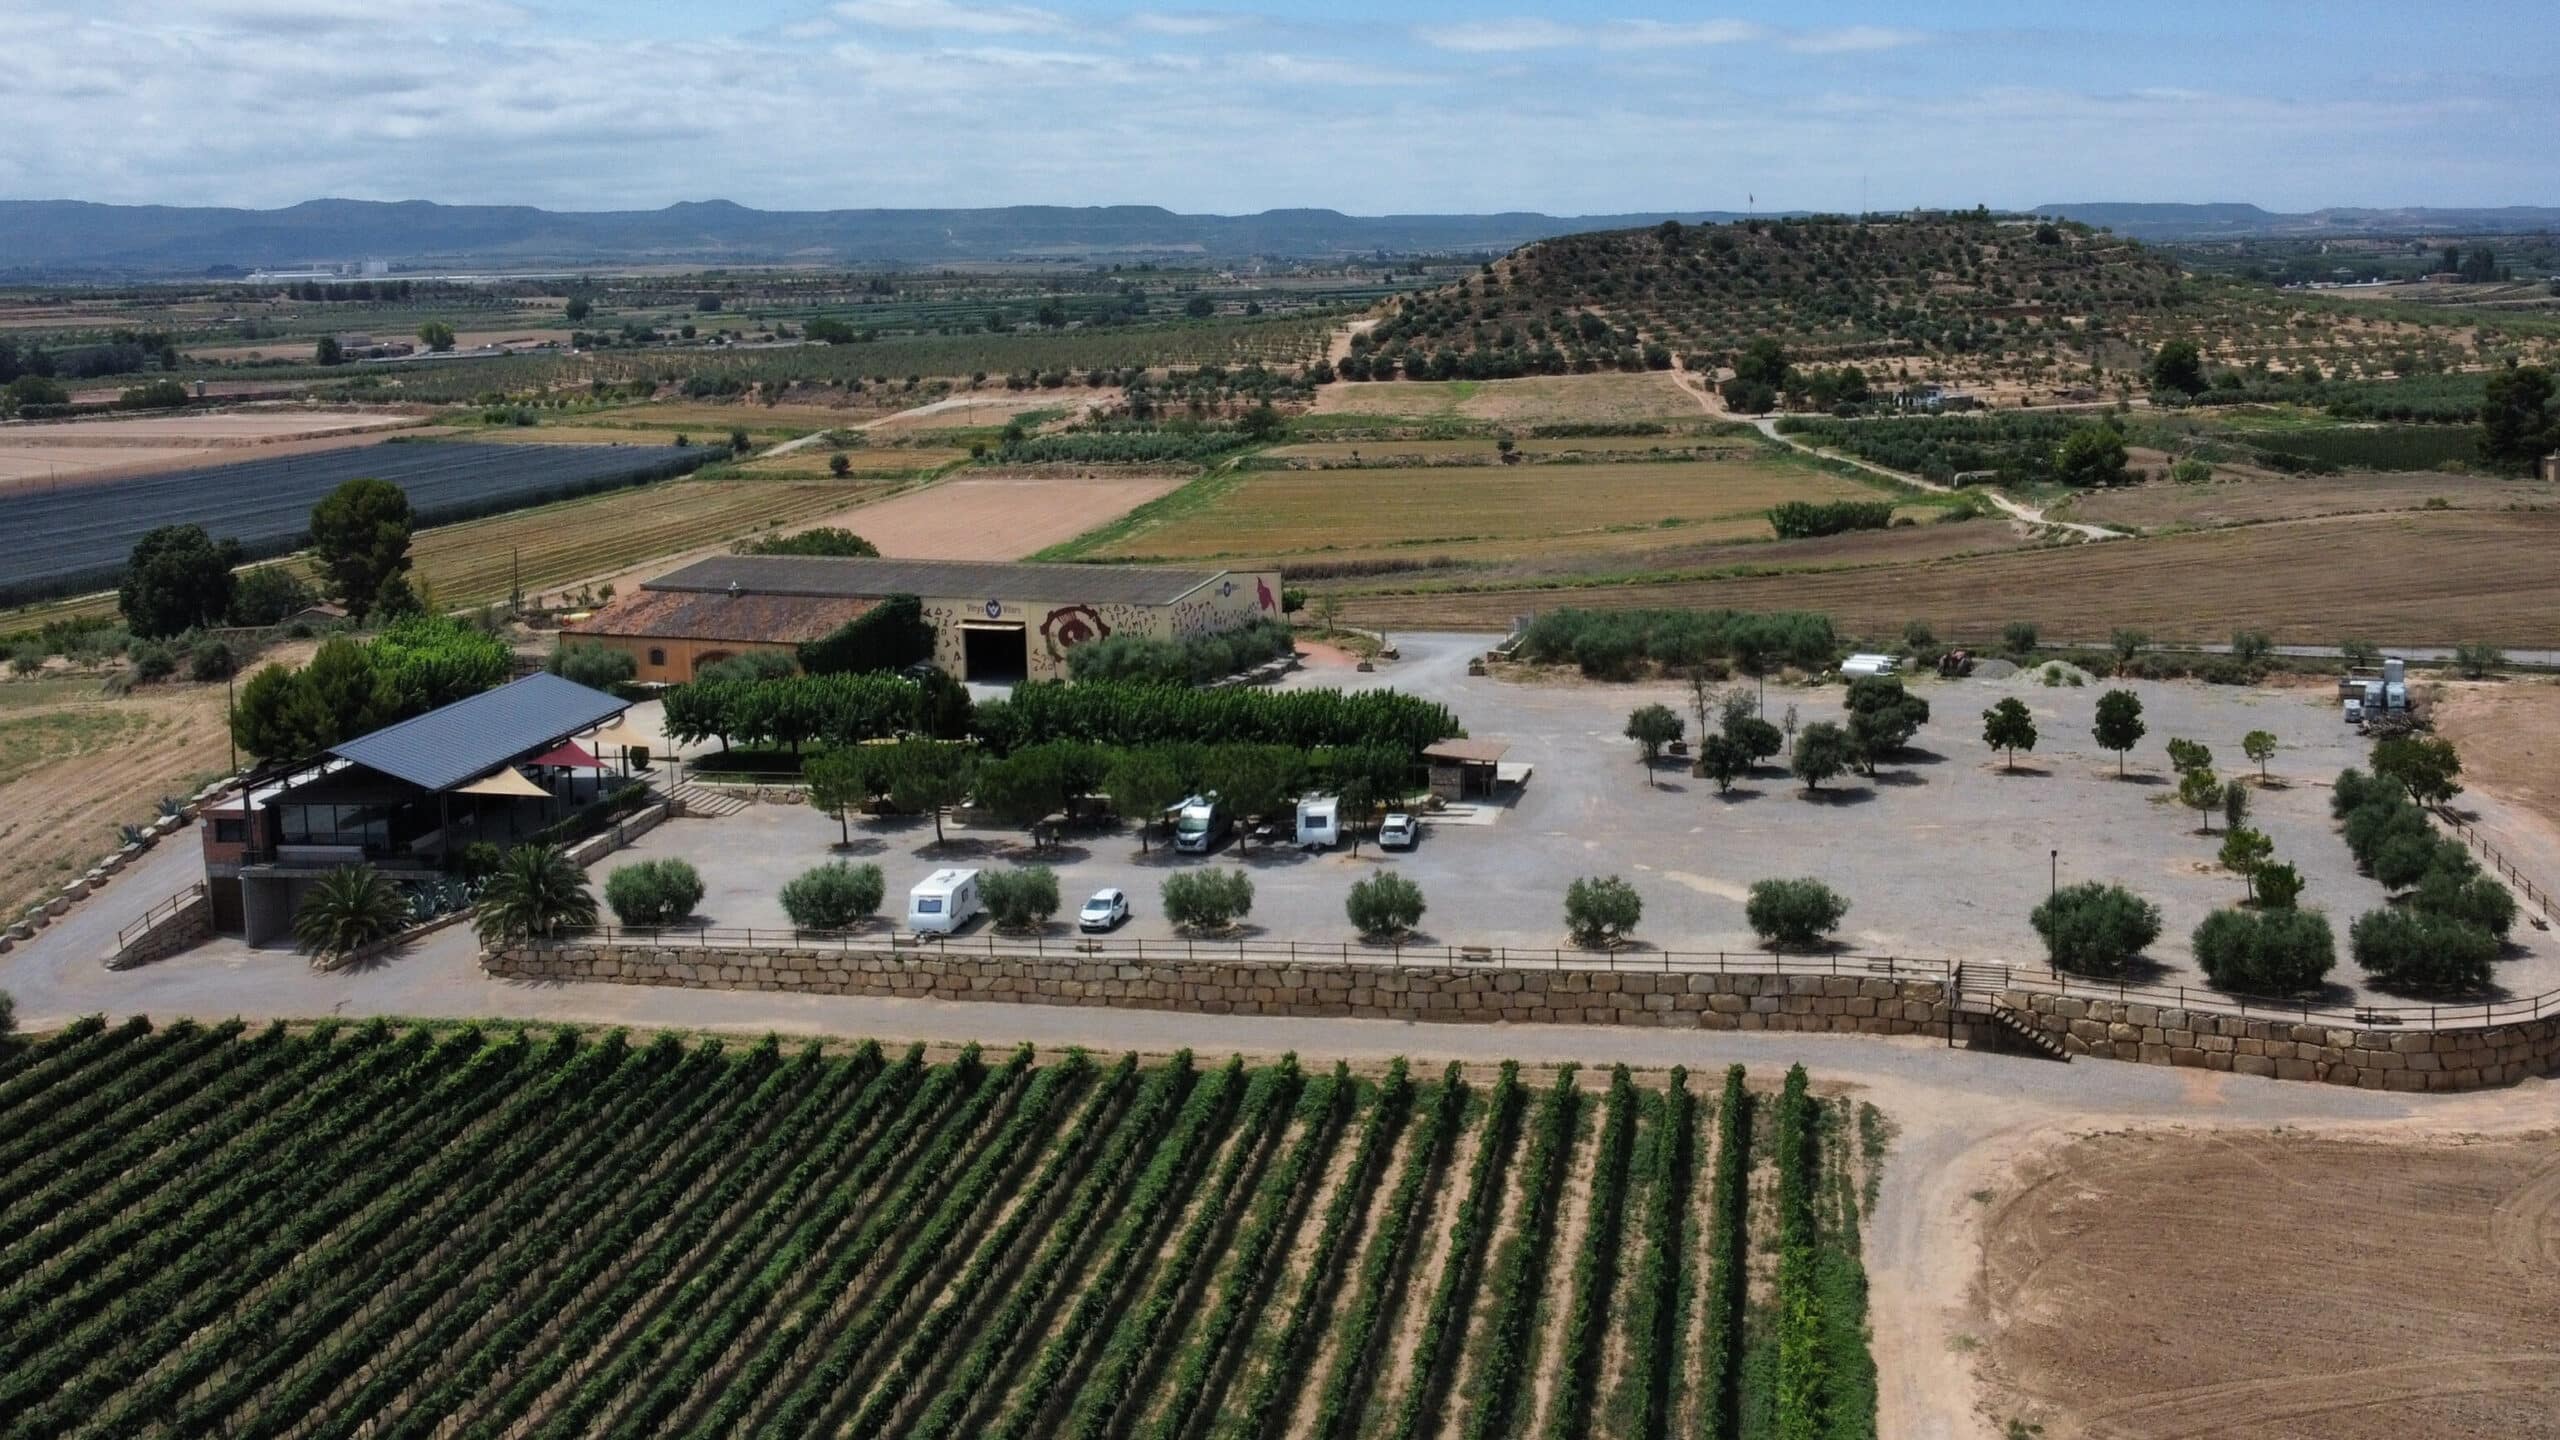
[(943, 901), (1319, 822), (1199, 823)]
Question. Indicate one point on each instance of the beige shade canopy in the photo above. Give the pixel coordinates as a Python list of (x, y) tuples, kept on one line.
[(506, 780), (623, 735)]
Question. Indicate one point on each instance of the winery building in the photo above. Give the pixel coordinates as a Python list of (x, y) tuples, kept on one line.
[(990, 621)]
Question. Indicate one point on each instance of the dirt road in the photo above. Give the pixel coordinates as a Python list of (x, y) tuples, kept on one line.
[(2014, 509)]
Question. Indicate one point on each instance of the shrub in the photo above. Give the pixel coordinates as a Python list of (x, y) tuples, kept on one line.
[(653, 892), (1601, 911), (2407, 858), (480, 859), (2272, 952), (2422, 952), (2094, 929), (2018, 637), (153, 660), (1807, 519), (834, 896), (889, 636), (1822, 751), (2279, 886), (598, 667), (212, 660), (1022, 898), (1384, 905), (1608, 644), (2466, 896), (1208, 899), (1793, 913), (1195, 660), (747, 667)]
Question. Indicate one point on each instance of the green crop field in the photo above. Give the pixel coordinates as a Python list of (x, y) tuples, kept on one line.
[(405, 1232), (1471, 512)]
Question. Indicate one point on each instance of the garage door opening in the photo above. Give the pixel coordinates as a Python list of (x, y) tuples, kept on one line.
[(994, 652)]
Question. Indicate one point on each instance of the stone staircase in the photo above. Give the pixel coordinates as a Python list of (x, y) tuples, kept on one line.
[(1980, 994), (710, 802)]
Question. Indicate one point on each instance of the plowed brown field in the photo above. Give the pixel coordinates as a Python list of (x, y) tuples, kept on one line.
[(2150, 1286)]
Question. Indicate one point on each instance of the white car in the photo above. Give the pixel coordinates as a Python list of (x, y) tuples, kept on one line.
[(1105, 911), (1398, 832)]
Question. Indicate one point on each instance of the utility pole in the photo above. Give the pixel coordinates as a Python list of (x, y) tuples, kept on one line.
[(230, 714)]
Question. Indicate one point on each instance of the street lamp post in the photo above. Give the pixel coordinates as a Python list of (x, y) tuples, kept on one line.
[(2053, 879)]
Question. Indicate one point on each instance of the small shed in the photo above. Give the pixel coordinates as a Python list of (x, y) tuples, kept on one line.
[(1460, 768)]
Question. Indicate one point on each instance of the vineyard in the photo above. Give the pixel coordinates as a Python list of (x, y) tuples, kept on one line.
[(458, 1232), (78, 537)]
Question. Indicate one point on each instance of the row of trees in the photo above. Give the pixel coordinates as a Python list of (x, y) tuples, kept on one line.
[(919, 776), (1609, 644), (1193, 660), (350, 688), (1883, 718)]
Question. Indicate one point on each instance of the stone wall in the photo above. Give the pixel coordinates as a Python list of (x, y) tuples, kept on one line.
[(2381, 1058), (1861, 1004)]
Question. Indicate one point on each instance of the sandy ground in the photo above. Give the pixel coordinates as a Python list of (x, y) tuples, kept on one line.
[(988, 407), (1651, 395), (997, 517), (38, 455), (2508, 733), (2171, 1283), (78, 763)]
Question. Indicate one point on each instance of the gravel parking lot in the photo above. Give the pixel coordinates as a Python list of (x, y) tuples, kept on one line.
[(1942, 856)]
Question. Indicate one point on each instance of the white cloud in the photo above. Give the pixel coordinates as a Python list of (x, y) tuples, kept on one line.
[(1852, 38), (943, 16), (1497, 37), (1156, 22), (1653, 34)]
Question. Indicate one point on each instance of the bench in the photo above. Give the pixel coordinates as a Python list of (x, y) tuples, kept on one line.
[(1476, 954)]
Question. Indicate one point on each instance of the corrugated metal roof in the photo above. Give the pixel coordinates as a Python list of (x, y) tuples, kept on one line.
[(719, 615), (447, 746), (843, 578)]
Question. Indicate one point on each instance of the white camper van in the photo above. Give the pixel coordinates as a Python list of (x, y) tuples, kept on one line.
[(1319, 822), (1200, 823), (943, 901)]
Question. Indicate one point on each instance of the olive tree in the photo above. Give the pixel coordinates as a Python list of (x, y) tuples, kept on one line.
[(1793, 913), (1600, 912), (2095, 929), (1384, 906)]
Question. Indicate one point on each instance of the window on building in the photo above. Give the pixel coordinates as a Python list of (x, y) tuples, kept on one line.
[(230, 832), (657, 656)]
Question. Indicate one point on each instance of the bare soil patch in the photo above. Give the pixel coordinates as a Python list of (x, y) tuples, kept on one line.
[(2279, 497), (2508, 732), (998, 517), (2174, 1284)]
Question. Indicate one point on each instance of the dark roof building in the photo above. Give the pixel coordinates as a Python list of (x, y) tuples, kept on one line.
[(864, 578), (446, 746)]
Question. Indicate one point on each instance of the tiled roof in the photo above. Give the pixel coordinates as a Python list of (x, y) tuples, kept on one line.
[(718, 615)]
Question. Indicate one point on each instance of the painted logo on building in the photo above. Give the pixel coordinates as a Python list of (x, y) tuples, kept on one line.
[(1072, 625), (995, 609), (1262, 594)]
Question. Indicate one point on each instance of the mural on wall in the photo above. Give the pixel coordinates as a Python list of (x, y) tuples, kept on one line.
[(1072, 625)]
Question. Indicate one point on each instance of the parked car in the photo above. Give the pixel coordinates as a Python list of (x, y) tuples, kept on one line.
[(1105, 911), (1398, 832)]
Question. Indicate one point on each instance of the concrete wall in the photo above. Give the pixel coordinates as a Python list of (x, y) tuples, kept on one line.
[(1873, 1005), (2383, 1058)]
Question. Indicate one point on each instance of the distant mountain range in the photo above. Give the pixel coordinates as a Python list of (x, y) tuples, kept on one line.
[(71, 238), (2207, 222), (66, 237)]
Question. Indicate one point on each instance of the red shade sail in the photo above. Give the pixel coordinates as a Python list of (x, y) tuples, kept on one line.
[(567, 755)]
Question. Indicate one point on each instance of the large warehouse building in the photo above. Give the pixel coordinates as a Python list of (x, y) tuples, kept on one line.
[(991, 622)]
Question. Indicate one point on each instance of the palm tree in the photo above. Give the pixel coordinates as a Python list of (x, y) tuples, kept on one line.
[(348, 909), (536, 894)]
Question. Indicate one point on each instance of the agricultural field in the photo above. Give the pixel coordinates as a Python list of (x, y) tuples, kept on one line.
[(63, 541), (622, 534), (1534, 400), (1470, 512), (2151, 1285), (2422, 577), (47, 453), (77, 762), (1321, 454), (869, 461), (2250, 496), (475, 1231)]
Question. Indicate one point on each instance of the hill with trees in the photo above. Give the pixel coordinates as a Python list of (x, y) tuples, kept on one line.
[(2016, 306)]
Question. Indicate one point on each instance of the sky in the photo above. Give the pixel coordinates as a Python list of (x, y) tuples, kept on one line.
[(1371, 108)]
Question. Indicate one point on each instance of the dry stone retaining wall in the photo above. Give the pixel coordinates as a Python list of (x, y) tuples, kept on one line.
[(2386, 1058), (2374, 1059), (1872, 1005)]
